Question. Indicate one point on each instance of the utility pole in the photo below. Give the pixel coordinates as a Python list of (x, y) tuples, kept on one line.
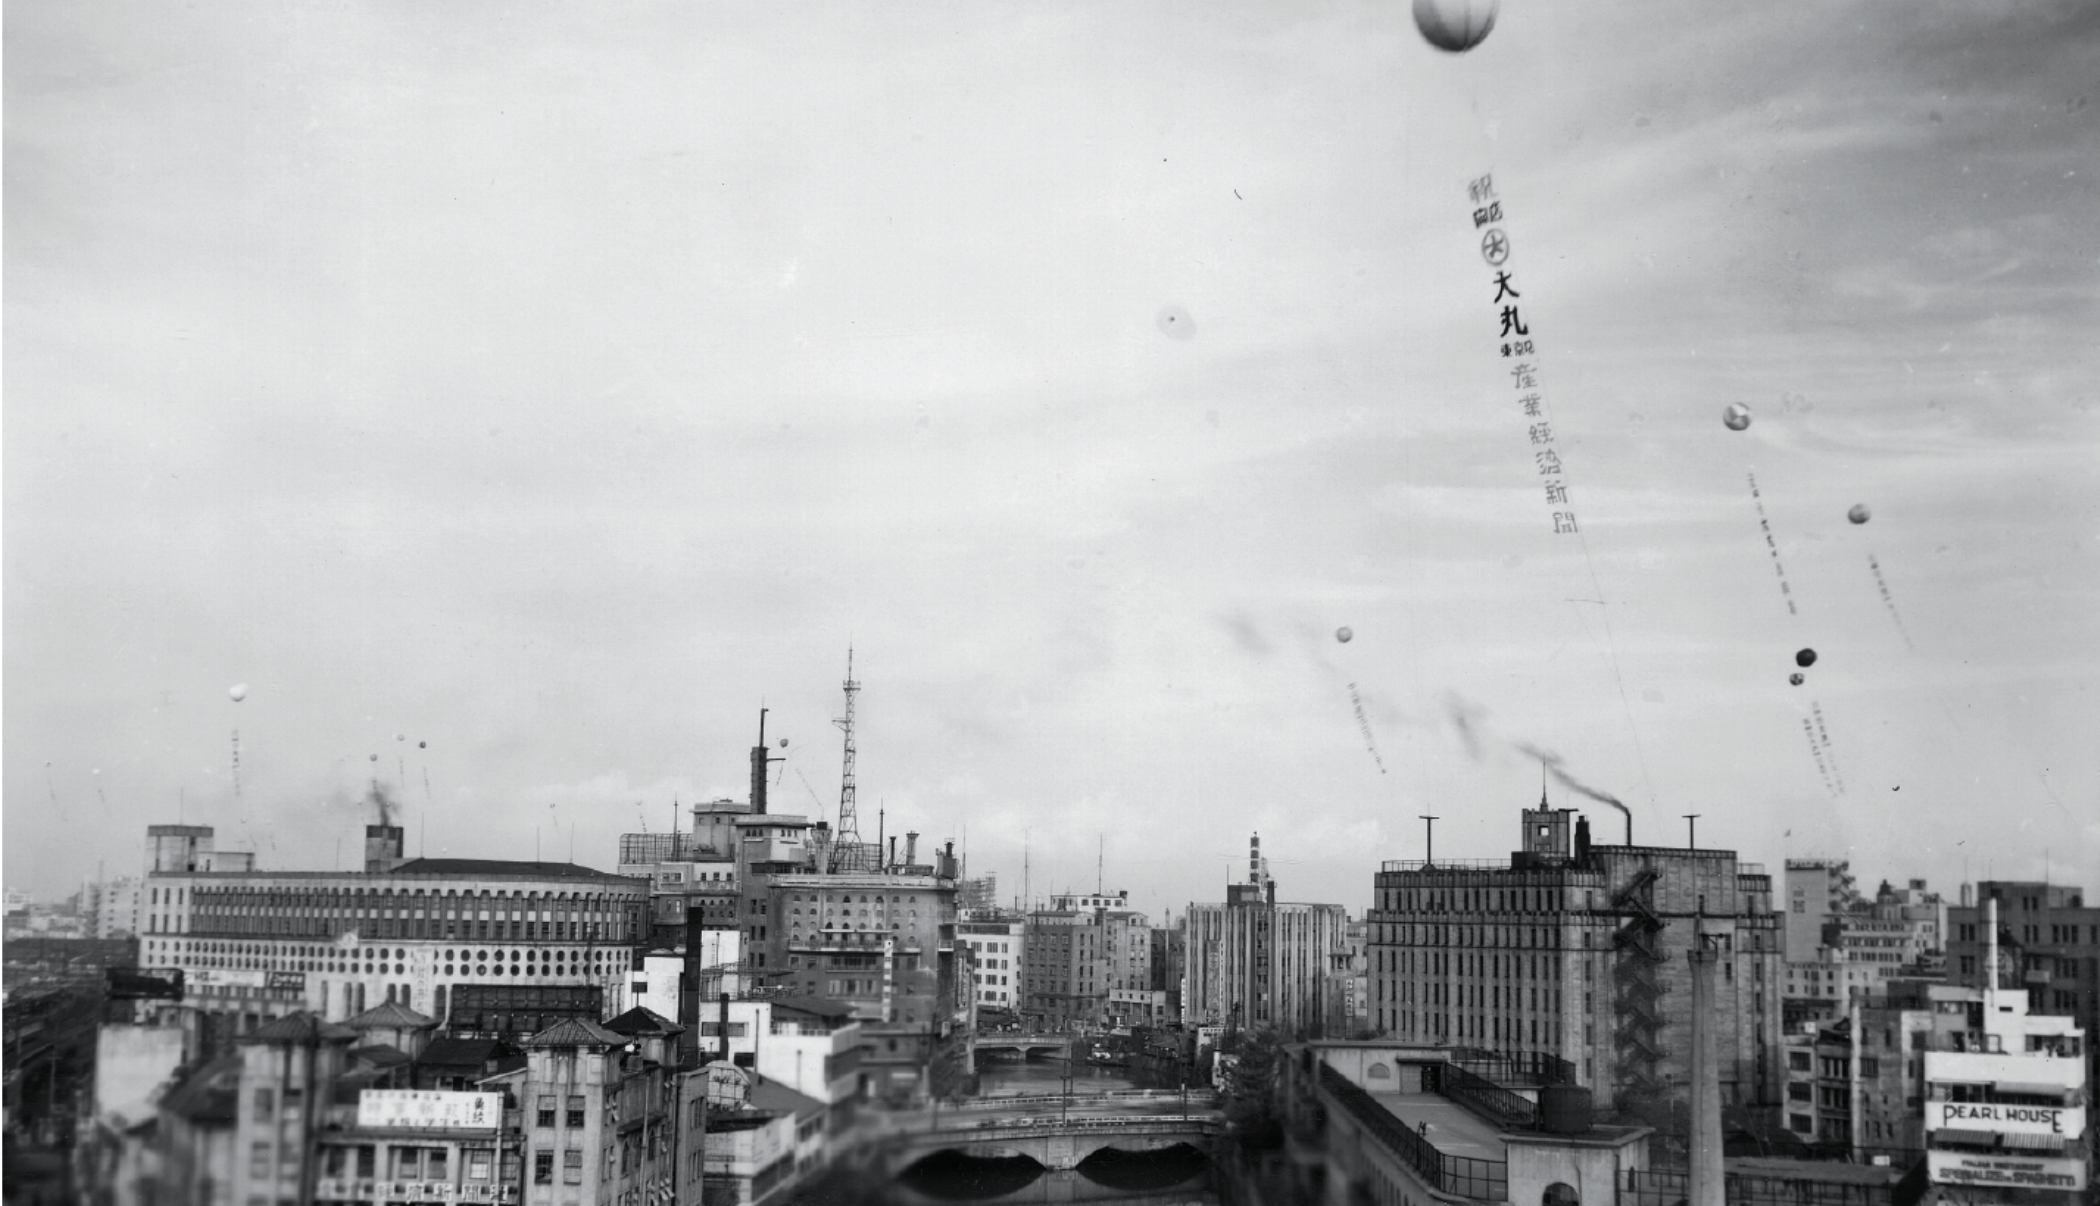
[(1692, 841), (1429, 843)]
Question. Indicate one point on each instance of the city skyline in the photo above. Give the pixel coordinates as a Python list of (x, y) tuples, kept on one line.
[(527, 400)]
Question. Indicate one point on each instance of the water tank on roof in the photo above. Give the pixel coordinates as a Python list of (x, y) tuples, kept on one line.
[(1564, 1109)]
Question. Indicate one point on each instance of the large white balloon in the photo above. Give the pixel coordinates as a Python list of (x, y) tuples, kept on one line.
[(239, 692), (1455, 25)]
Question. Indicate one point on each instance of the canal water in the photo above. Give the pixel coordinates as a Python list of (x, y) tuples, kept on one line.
[(1175, 1179)]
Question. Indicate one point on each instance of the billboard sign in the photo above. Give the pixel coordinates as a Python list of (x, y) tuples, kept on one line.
[(229, 977), (2007, 1171), (2003, 1119), (429, 1109)]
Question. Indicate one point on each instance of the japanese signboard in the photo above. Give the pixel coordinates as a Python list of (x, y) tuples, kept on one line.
[(429, 1109), (223, 977), (2067, 1121), (1990, 1168), (1516, 344)]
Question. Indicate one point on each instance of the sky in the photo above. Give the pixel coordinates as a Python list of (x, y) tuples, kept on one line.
[(518, 399)]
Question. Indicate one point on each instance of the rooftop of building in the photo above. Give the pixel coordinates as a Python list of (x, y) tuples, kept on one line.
[(501, 867), (209, 1093), (301, 1027), (391, 1015), (474, 868), (576, 1032), (644, 1022)]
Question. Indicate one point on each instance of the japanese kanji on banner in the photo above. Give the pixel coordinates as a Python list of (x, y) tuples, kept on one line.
[(1517, 346)]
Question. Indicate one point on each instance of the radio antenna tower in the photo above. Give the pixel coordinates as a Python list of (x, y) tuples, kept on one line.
[(847, 854)]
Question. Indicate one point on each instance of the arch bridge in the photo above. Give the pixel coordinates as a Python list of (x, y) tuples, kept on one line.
[(1056, 1143)]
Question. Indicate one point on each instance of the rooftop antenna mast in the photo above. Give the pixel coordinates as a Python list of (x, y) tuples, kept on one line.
[(847, 854)]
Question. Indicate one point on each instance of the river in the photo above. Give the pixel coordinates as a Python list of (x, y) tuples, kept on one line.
[(1182, 1179)]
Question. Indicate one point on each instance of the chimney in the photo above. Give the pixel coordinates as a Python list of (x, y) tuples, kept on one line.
[(1582, 839), (382, 848), (911, 847), (893, 852)]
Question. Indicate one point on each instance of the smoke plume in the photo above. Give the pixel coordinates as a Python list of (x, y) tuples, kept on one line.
[(382, 804), (1552, 762)]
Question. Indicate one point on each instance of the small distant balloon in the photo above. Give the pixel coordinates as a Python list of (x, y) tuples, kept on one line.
[(783, 743), (239, 692), (1805, 658), (375, 757), (1797, 678), (1737, 416), (1455, 25), (1174, 323), (1344, 635), (400, 736), (422, 744), (1859, 513)]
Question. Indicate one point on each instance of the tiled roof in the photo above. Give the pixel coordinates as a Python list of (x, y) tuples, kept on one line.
[(392, 1015), (207, 1095), (576, 1032), (644, 1021), (301, 1027)]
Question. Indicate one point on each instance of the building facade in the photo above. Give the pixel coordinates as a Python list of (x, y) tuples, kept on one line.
[(1577, 951), (996, 945), (883, 943), (256, 945), (1078, 952), (2048, 947), (1255, 963)]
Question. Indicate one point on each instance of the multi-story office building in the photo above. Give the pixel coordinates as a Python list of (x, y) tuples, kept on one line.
[(1255, 963), (1077, 952), (2006, 1088), (1839, 943), (1578, 951), (882, 942), (255, 945), (2048, 946), (1170, 964), (691, 875), (996, 944), (1817, 889)]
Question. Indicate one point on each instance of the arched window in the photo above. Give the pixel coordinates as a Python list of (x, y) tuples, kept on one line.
[(1560, 1193), (1379, 1072)]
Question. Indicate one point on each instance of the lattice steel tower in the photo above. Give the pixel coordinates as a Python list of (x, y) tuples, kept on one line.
[(847, 854)]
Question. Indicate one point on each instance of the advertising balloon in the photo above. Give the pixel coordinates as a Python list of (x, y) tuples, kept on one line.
[(1455, 25)]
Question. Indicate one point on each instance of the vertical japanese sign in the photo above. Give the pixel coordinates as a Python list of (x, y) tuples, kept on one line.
[(1517, 347)]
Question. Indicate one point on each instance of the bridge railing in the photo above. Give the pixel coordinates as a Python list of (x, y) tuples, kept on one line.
[(1119, 1096)]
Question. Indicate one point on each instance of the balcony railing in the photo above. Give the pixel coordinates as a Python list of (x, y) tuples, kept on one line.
[(1487, 1180)]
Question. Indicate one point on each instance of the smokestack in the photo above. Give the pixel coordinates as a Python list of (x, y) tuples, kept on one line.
[(893, 852), (758, 768), (911, 847), (1707, 1176), (1582, 839), (1990, 950)]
